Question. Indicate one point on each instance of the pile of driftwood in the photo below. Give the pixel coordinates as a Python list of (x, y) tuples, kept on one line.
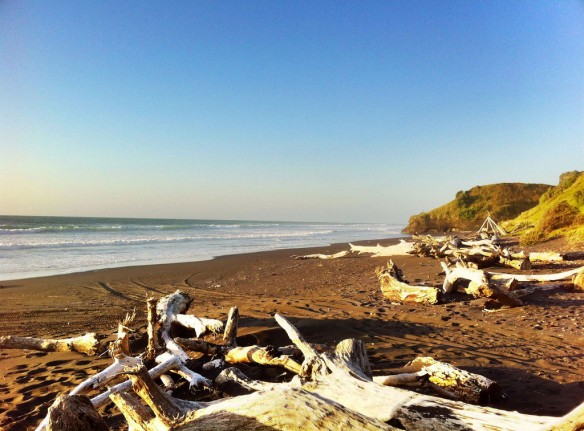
[(501, 289), (481, 253), (464, 266), (475, 253), (321, 389)]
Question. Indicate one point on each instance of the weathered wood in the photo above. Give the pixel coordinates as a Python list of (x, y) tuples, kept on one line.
[(279, 409), (196, 381), (262, 356), (165, 407), (545, 256), (233, 382), (404, 248), (578, 280), (74, 413), (162, 368), (494, 291), (332, 391), (395, 289), (152, 330), (468, 387), (230, 334), (87, 344), (353, 354), (402, 379), (167, 309), (119, 351), (201, 325), (322, 256), (478, 277), (519, 264), (537, 277), (138, 416), (479, 286)]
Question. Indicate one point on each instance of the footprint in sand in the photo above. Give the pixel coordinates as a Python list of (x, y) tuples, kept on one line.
[(55, 363), (36, 355)]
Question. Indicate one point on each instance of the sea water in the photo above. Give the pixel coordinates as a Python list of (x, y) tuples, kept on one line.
[(38, 246)]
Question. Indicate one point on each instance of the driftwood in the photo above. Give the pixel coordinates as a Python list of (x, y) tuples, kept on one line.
[(329, 391), (479, 254), (545, 256), (74, 413), (578, 280), (506, 289), (322, 256), (448, 380), (396, 289), (402, 249), (87, 344), (538, 277)]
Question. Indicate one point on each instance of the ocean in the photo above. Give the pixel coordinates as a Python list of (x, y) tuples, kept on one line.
[(38, 246)]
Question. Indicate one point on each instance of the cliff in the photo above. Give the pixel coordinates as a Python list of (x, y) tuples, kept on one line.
[(559, 213), (469, 208)]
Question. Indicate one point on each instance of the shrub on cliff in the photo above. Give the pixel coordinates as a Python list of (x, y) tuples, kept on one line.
[(469, 208)]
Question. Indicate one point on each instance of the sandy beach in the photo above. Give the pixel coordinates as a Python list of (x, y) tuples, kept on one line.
[(536, 352)]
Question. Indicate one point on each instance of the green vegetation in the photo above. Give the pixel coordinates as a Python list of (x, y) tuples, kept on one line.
[(560, 213), (470, 208)]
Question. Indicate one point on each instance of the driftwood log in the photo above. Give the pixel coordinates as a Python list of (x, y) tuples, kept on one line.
[(401, 249), (87, 344), (322, 256), (330, 390), (448, 380), (396, 289)]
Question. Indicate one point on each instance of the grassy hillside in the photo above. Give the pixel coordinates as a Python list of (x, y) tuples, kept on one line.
[(560, 212), (470, 208)]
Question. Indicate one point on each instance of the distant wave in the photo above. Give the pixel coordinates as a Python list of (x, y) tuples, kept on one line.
[(152, 240), (26, 229)]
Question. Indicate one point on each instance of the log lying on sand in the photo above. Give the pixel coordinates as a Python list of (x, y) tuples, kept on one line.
[(74, 413), (87, 344), (449, 381), (330, 391), (322, 256), (395, 288), (480, 285), (545, 256), (404, 248), (538, 277)]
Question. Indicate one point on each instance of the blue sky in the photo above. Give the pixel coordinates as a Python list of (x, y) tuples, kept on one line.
[(364, 111)]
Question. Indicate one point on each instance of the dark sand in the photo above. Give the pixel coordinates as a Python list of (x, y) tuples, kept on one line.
[(536, 352)]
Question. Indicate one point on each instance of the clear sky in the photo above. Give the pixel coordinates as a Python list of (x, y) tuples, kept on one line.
[(364, 111)]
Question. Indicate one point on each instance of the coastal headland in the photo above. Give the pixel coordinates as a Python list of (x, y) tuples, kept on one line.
[(536, 351)]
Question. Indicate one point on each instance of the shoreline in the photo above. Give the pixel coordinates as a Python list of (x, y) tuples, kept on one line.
[(328, 301), (124, 265)]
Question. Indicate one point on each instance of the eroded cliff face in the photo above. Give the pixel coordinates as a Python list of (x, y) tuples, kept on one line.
[(469, 208)]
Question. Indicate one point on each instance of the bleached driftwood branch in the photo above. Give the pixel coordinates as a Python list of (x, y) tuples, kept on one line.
[(402, 249), (87, 344), (323, 256), (396, 289)]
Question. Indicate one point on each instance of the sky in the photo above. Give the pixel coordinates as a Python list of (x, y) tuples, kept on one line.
[(345, 111)]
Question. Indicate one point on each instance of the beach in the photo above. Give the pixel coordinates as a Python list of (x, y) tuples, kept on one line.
[(536, 352)]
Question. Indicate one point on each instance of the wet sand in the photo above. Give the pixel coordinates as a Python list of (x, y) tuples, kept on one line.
[(536, 352)]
